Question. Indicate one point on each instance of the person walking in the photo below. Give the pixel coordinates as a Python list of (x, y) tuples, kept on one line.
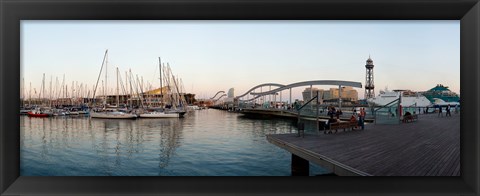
[(440, 113), (448, 111)]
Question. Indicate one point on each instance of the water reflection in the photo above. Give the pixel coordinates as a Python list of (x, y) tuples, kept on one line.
[(109, 145), (205, 143)]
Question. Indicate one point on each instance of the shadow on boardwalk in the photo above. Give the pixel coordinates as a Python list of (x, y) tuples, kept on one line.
[(427, 147)]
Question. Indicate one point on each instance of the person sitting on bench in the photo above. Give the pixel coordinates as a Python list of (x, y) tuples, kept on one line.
[(330, 121), (353, 120), (407, 116)]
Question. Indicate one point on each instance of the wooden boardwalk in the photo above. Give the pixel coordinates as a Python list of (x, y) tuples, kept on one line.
[(427, 147)]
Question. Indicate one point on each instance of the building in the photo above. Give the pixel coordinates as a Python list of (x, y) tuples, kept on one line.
[(230, 96), (348, 94), (231, 93), (309, 93)]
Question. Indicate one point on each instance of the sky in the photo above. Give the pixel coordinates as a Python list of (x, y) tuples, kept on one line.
[(212, 56)]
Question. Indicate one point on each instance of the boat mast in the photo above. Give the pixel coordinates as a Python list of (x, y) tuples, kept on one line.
[(161, 90), (62, 91), (167, 78), (138, 85), (131, 88), (118, 100), (30, 95), (43, 91), (179, 101), (126, 91), (105, 89), (99, 75), (23, 93), (142, 89), (73, 93), (66, 94), (50, 94)]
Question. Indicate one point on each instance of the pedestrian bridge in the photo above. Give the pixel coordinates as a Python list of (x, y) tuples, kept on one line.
[(280, 87)]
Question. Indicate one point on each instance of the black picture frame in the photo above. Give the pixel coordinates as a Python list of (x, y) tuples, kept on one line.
[(13, 11)]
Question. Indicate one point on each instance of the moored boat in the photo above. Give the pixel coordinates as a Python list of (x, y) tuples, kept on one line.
[(24, 111), (73, 113), (441, 92), (59, 112), (39, 113), (193, 107), (159, 115), (180, 111), (112, 114), (83, 112), (33, 114), (408, 99)]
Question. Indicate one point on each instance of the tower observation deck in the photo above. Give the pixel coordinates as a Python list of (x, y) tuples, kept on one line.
[(369, 85)]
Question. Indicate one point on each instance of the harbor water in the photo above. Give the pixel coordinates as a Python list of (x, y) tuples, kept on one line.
[(203, 143)]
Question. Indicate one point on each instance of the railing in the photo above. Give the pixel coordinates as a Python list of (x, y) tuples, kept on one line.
[(310, 108), (388, 114)]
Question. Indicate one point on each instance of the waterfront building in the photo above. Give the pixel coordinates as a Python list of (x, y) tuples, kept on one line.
[(205, 102), (309, 93), (152, 98), (231, 93), (230, 96), (348, 94), (190, 98)]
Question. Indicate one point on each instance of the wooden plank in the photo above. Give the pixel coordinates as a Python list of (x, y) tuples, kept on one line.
[(427, 147)]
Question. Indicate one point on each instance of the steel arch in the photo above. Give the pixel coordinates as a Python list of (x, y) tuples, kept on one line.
[(258, 86), (312, 82)]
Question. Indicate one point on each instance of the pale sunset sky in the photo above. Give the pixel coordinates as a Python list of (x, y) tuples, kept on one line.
[(210, 56)]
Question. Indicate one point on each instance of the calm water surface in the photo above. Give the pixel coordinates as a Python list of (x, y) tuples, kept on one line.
[(204, 143)]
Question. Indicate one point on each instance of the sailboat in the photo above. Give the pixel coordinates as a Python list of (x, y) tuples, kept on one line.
[(176, 99), (160, 113), (110, 113)]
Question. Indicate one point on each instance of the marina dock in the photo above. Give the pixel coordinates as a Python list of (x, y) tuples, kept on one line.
[(427, 147)]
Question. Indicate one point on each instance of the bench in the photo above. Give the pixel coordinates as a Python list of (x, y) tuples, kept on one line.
[(410, 118), (341, 125)]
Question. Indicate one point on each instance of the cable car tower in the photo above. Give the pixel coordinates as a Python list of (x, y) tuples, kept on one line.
[(369, 86)]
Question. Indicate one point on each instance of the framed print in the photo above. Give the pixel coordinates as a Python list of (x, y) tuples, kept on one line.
[(218, 97)]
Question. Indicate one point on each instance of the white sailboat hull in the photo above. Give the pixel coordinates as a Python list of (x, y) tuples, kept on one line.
[(112, 115), (159, 115)]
